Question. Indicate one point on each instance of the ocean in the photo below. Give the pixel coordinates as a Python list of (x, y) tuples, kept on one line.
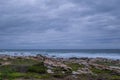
[(64, 53)]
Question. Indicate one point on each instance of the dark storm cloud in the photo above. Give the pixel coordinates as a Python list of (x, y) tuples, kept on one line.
[(59, 24)]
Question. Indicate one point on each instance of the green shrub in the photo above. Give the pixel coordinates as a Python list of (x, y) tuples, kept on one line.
[(21, 61), (75, 66), (6, 71), (115, 77), (38, 68), (59, 75), (16, 75), (99, 71), (60, 70)]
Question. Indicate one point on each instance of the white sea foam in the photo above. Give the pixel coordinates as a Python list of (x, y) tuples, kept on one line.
[(89, 55)]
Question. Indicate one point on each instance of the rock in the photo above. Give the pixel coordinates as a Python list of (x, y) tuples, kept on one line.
[(0, 64), (75, 58), (50, 71), (4, 56), (75, 73), (6, 63), (85, 71), (5, 59), (49, 62)]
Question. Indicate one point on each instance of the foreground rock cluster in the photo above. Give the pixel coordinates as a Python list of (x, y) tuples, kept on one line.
[(46, 68)]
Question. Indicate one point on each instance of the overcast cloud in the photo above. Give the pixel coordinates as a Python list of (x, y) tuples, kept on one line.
[(59, 24)]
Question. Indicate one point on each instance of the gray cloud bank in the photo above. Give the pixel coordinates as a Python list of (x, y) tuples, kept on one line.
[(59, 24)]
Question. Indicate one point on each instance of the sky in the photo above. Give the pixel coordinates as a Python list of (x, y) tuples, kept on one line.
[(59, 24)]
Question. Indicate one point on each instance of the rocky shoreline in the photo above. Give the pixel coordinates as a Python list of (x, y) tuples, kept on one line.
[(48, 68)]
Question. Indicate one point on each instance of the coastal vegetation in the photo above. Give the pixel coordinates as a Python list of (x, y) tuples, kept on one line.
[(44, 68), (75, 66)]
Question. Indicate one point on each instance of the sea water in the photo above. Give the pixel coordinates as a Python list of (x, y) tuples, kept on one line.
[(64, 53)]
